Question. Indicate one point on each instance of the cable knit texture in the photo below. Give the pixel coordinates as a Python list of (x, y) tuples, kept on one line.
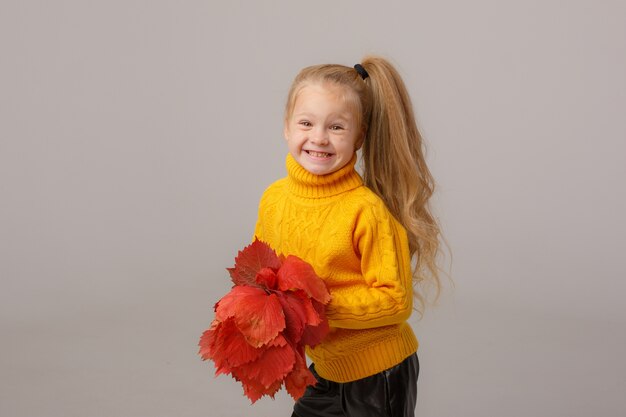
[(347, 234)]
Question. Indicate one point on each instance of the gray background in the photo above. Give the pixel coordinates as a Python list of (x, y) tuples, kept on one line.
[(137, 136)]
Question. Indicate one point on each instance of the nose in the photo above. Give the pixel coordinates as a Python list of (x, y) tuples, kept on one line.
[(319, 136)]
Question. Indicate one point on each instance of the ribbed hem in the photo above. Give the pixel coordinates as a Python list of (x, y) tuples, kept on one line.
[(305, 184), (370, 361)]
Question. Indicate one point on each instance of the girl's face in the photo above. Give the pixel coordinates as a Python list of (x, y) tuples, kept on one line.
[(322, 132)]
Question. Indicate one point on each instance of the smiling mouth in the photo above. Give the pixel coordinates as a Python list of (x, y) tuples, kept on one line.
[(319, 154)]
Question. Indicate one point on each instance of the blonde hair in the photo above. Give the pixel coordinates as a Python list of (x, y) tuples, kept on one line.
[(393, 160)]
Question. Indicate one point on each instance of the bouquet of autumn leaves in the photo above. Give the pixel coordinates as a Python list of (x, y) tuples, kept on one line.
[(261, 327)]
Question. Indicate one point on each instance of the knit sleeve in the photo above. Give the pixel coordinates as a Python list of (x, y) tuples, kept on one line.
[(258, 228), (384, 295), (266, 223)]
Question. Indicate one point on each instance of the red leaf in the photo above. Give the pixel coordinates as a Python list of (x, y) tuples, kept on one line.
[(251, 260), (295, 274), (258, 315), (254, 390), (271, 366), (226, 346), (230, 304), (261, 320), (207, 340), (312, 316), (279, 341), (299, 378), (266, 278), (295, 315), (314, 334)]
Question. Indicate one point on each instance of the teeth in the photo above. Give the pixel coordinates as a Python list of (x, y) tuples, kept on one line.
[(319, 154)]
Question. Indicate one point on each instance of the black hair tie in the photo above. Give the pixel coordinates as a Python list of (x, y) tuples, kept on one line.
[(359, 68)]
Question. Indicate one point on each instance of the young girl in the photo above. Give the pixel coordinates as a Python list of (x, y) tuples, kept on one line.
[(359, 234)]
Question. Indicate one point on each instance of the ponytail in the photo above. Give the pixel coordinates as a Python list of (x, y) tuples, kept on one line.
[(394, 167)]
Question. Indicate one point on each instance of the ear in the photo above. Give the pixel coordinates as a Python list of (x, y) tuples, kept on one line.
[(285, 130), (359, 141)]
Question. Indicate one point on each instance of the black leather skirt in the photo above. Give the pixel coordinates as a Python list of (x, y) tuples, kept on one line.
[(390, 393)]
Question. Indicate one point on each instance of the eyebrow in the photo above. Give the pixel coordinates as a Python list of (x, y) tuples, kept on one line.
[(341, 116)]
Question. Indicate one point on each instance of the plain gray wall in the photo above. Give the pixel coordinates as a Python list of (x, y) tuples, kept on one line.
[(137, 136)]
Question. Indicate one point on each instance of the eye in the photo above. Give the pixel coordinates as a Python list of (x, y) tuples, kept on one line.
[(305, 123), (336, 127)]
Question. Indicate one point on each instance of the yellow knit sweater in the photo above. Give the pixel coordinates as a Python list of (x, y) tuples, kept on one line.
[(347, 234)]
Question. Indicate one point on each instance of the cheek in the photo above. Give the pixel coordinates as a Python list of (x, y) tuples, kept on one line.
[(294, 137), (290, 135), (294, 142), (347, 144)]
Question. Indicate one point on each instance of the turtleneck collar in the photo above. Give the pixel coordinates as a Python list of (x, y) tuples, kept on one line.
[(304, 184)]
